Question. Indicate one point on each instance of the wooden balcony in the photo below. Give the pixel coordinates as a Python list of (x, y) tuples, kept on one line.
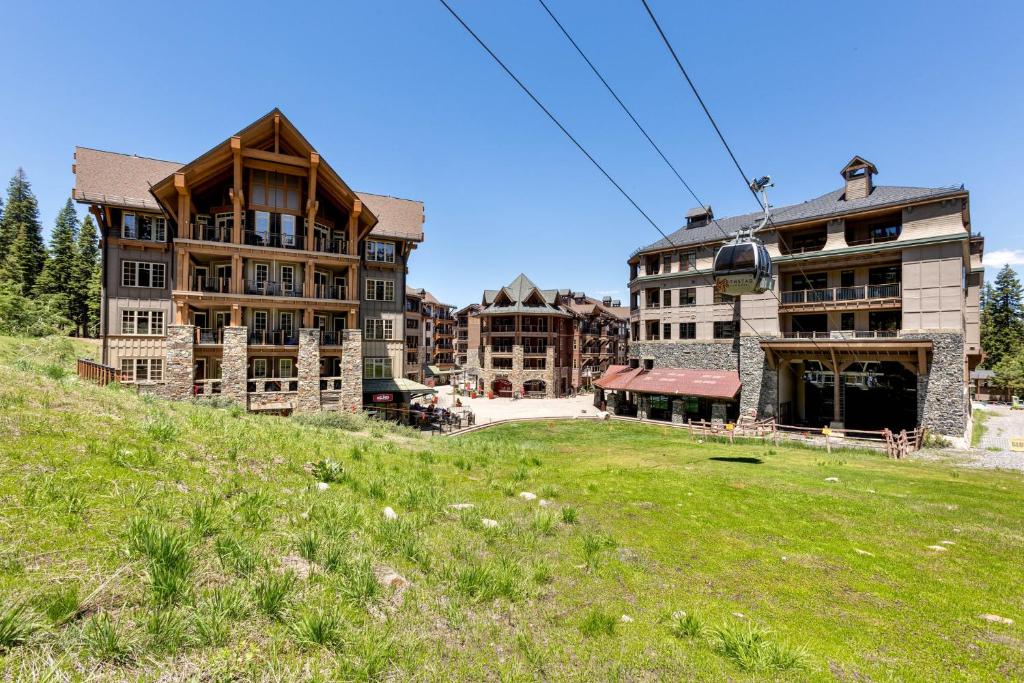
[(840, 298)]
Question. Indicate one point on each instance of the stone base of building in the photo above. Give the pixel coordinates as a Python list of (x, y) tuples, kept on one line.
[(722, 355), (943, 399)]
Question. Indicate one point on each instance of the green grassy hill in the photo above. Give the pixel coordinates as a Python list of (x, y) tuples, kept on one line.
[(145, 540)]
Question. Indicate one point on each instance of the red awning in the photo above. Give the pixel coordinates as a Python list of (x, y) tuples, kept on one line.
[(724, 384)]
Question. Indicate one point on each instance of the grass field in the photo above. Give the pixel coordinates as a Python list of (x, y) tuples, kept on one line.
[(144, 540)]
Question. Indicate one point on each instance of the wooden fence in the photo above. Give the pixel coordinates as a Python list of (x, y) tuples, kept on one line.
[(96, 372)]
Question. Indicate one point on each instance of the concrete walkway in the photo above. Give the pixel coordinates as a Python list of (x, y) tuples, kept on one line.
[(491, 410)]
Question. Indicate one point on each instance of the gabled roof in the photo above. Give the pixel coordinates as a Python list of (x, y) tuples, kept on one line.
[(511, 299), (825, 206), (858, 162), (120, 180)]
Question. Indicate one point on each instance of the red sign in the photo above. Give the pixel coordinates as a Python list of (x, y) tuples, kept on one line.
[(383, 398)]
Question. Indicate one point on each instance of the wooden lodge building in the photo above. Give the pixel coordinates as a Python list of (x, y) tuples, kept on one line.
[(873, 320), (252, 272)]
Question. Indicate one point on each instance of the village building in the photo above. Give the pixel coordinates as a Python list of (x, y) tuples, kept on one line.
[(872, 322), (253, 272), (429, 338)]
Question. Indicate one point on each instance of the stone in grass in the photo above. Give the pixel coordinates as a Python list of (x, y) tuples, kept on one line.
[(863, 552), (995, 618), (390, 514), (833, 479), (526, 495), (947, 542), (461, 506), (489, 523), (940, 548), (389, 578), (626, 619), (322, 486), (543, 503)]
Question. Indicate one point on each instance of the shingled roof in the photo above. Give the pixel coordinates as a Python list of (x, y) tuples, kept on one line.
[(827, 205), (120, 180), (517, 293), (399, 218)]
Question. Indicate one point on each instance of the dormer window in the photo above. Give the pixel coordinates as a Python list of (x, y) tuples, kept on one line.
[(857, 174), (699, 217)]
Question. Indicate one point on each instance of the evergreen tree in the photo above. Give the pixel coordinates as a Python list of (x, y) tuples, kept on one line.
[(1002, 324), (85, 279), (22, 252), (57, 275)]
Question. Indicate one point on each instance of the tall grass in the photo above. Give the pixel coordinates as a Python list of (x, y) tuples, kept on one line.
[(751, 648), (17, 624)]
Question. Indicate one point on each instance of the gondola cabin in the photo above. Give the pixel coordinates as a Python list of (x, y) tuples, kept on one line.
[(743, 266)]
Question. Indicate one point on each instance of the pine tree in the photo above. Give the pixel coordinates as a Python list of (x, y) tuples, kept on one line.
[(56, 278), (1002, 324), (22, 252), (85, 279)]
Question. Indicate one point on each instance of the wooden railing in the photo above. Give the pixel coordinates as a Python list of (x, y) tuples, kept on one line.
[(97, 373), (330, 383), (273, 384), (841, 294), (206, 387)]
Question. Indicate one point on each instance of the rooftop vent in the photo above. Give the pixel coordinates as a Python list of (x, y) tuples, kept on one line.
[(702, 215), (607, 301), (617, 303), (648, 363), (634, 363)]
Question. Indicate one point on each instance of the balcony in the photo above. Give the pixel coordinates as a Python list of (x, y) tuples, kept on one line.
[(213, 285), (273, 337), (211, 233), (330, 245), (334, 292), (841, 296), (275, 240), (331, 338), (503, 328), (268, 385), (209, 335), (844, 334), (527, 327), (271, 288)]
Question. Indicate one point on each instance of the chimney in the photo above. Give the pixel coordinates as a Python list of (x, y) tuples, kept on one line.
[(617, 303), (858, 176), (700, 216), (607, 301)]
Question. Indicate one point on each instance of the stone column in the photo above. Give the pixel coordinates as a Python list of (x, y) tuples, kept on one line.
[(941, 393), (760, 390), (550, 378), (678, 410), (642, 403), (180, 363), (351, 398), (234, 366), (516, 373), (308, 398)]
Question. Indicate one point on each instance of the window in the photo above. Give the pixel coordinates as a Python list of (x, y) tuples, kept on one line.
[(501, 363), (376, 368), (143, 227), (128, 226), (287, 320), (259, 367), (262, 273), (142, 322), (688, 260), (688, 296), (378, 329), (846, 322), (288, 278), (687, 330), (380, 252), (259, 321), (666, 330), (666, 263), (143, 274), (275, 190), (667, 297), (284, 367), (380, 290), (725, 329), (142, 369)]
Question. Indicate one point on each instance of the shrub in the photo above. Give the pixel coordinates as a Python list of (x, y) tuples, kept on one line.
[(168, 556), (543, 522), (328, 470), (203, 518), (593, 545), (162, 429), (488, 580), (308, 544), (359, 583)]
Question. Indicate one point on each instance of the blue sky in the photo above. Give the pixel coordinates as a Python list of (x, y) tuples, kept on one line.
[(400, 100)]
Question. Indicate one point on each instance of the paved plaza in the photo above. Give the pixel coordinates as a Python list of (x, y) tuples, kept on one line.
[(491, 410)]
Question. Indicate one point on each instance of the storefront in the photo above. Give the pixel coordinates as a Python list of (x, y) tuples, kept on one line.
[(669, 394), (390, 398)]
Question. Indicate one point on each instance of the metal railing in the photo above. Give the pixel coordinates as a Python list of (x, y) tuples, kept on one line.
[(272, 288), (273, 239), (210, 233), (845, 334), (330, 245), (871, 240), (503, 328), (274, 337), (336, 292), (209, 335), (216, 285), (331, 337), (270, 385), (527, 327), (833, 294)]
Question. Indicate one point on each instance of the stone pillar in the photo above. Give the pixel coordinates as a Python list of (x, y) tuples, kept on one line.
[(516, 374), (308, 398), (234, 366), (351, 398), (550, 379), (942, 404), (642, 403), (760, 390), (180, 363), (678, 410)]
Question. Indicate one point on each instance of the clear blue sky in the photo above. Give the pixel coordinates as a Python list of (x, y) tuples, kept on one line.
[(397, 97)]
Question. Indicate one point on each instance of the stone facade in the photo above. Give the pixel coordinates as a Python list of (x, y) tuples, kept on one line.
[(308, 367), (235, 365), (702, 355), (351, 394), (760, 384), (180, 363), (519, 376), (943, 404)]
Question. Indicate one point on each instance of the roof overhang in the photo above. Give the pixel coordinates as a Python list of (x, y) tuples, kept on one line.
[(839, 353)]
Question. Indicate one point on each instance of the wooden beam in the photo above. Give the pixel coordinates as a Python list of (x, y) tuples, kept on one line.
[(275, 157), (277, 133), (353, 227), (236, 190), (184, 204), (311, 203), (922, 361)]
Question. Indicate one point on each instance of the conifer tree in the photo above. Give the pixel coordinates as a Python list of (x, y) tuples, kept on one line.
[(57, 276), (85, 279), (22, 252), (1002, 319)]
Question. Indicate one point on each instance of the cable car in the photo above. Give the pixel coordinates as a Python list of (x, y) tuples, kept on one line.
[(742, 265)]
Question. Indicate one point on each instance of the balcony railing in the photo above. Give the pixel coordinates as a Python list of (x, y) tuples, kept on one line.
[(833, 294), (336, 292), (273, 239), (331, 245), (216, 285), (877, 239), (845, 334), (527, 327), (330, 383), (209, 335), (206, 387), (653, 304), (274, 337), (503, 328), (271, 288), (210, 233), (331, 338), (272, 384)]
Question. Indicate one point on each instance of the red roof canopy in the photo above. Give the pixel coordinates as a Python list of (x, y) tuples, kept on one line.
[(724, 384)]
